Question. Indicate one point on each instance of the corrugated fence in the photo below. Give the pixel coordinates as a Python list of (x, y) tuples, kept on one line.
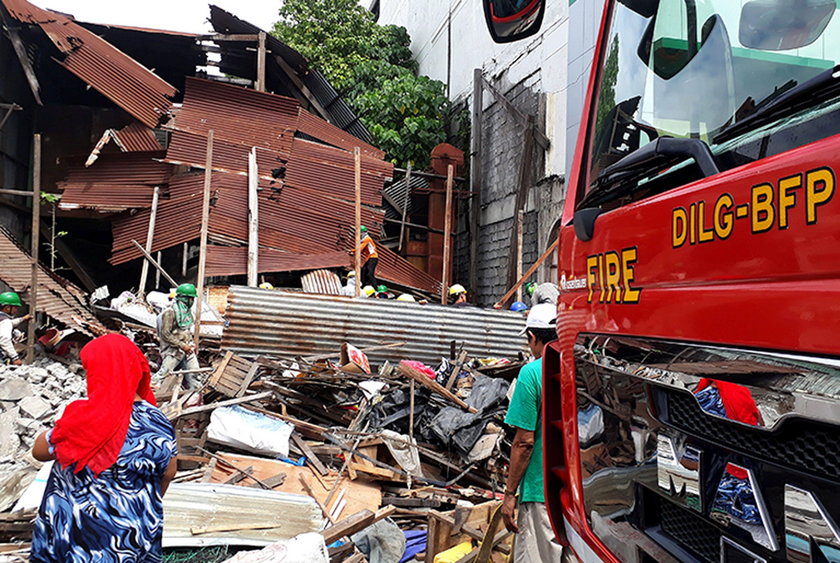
[(275, 323)]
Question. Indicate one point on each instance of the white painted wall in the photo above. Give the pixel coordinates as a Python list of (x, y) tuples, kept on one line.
[(541, 59)]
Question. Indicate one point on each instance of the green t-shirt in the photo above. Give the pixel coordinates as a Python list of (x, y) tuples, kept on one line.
[(524, 412)]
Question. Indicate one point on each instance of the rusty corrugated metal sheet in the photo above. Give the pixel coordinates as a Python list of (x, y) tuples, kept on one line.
[(111, 72), (323, 282), (115, 182), (316, 127), (136, 138), (233, 261), (395, 268), (191, 149), (238, 115), (57, 297), (277, 323)]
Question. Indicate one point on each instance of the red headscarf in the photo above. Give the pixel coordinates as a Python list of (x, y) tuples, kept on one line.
[(92, 431)]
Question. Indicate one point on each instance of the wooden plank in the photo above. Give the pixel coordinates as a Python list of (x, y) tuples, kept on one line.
[(355, 523), (307, 95), (220, 370), (310, 456), (254, 206), (541, 139), (456, 369), (35, 235), (501, 303), (20, 50), (306, 487), (246, 381), (447, 236), (239, 475), (150, 236), (260, 86), (426, 381), (406, 202), (205, 225), (212, 406), (357, 159)]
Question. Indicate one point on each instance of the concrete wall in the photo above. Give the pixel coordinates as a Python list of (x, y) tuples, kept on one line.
[(544, 76)]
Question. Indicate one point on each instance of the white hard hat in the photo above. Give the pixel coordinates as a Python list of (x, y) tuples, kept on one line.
[(543, 315), (351, 274), (457, 289), (406, 297)]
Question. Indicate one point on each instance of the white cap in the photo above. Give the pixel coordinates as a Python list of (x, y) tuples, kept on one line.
[(543, 315)]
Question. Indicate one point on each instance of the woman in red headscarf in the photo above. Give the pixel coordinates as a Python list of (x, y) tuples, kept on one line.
[(115, 456)]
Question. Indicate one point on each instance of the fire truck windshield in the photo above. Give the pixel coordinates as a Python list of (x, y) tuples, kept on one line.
[(721, 71)]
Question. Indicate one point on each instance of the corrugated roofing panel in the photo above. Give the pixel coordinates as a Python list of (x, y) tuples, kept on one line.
[(276, 323), (397, 269), (330, 134), (137, 138), (233, 261), (238, 115), (191, 149), (322, 282), (341, 114), (108, 70), (57, 297)]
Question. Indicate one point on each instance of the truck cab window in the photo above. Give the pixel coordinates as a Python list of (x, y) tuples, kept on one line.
[(709, 70)]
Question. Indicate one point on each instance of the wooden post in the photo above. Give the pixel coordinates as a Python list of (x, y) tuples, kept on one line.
[(150, 235), (357, 155), (260, 86), (411, 413), (520, 235), (253, 219), (205, 226), (36, 233), (447, 235), (157, 273), (154, 262), (403, 234), (521, 194), (184, 256), (475, 177)]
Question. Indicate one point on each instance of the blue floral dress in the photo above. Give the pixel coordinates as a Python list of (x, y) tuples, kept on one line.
[(116, 517)]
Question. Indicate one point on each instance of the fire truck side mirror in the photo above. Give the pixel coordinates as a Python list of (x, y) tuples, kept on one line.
[(780, 25), (511, 20), (584, 222)]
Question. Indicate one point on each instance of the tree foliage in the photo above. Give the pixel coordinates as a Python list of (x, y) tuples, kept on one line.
[(371, 65)]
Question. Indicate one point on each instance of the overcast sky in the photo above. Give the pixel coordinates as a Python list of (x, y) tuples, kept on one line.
[(175, 15)]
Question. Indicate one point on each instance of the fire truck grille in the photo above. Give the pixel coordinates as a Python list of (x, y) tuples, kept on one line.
[(691, 532), (809, 446)]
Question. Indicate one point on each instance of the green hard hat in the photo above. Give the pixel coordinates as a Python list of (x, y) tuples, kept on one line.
[(362, 229), (381, 288), (10, 298), (186, 289), (530, 288)]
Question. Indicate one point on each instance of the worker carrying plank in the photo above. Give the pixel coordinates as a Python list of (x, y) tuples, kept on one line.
[(9, 304), (175, 333), (370, 257)]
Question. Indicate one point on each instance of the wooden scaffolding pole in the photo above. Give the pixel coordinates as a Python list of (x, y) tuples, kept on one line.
[(260, 86), (475, 177), (36, 232), (150, 236), (406, 201), (447, 235), (205, 226), (357, 156), (253, 219)]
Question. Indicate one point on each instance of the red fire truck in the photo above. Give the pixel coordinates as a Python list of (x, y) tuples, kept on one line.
[(691, 405)]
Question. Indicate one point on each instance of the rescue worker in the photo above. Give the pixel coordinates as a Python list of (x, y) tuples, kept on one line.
[(9, 304), (383, 293), (458, 295), (535, 539), (542, 293), (349, 290), (175, 332), (370, 257)]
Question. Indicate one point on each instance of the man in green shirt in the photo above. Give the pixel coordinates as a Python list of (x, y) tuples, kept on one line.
[(535, 539)]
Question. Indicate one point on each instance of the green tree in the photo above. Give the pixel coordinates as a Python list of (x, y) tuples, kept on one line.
[(609, 77), (371, 65)]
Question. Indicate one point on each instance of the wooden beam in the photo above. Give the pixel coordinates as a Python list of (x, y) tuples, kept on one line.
[(521, 196), (403, 233), (229, 37), (426, 381), (447, 236), (36, 235), (260, 86), (355, 523), (253, 219), (150, 236), (21, 193), (205, 225), (475, 176), (154, 263), (306, 93), (541, 139), (357, 157), (23, 57), (520, 236), (501, 302)]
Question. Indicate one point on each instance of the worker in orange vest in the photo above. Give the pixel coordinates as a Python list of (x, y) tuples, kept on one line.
[(370, 257)]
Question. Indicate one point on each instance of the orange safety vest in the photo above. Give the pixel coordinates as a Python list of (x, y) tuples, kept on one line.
[(368, 247)]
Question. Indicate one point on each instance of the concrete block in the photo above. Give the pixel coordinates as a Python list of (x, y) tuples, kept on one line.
[(9, 439), (14, 389), (34, 407)]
